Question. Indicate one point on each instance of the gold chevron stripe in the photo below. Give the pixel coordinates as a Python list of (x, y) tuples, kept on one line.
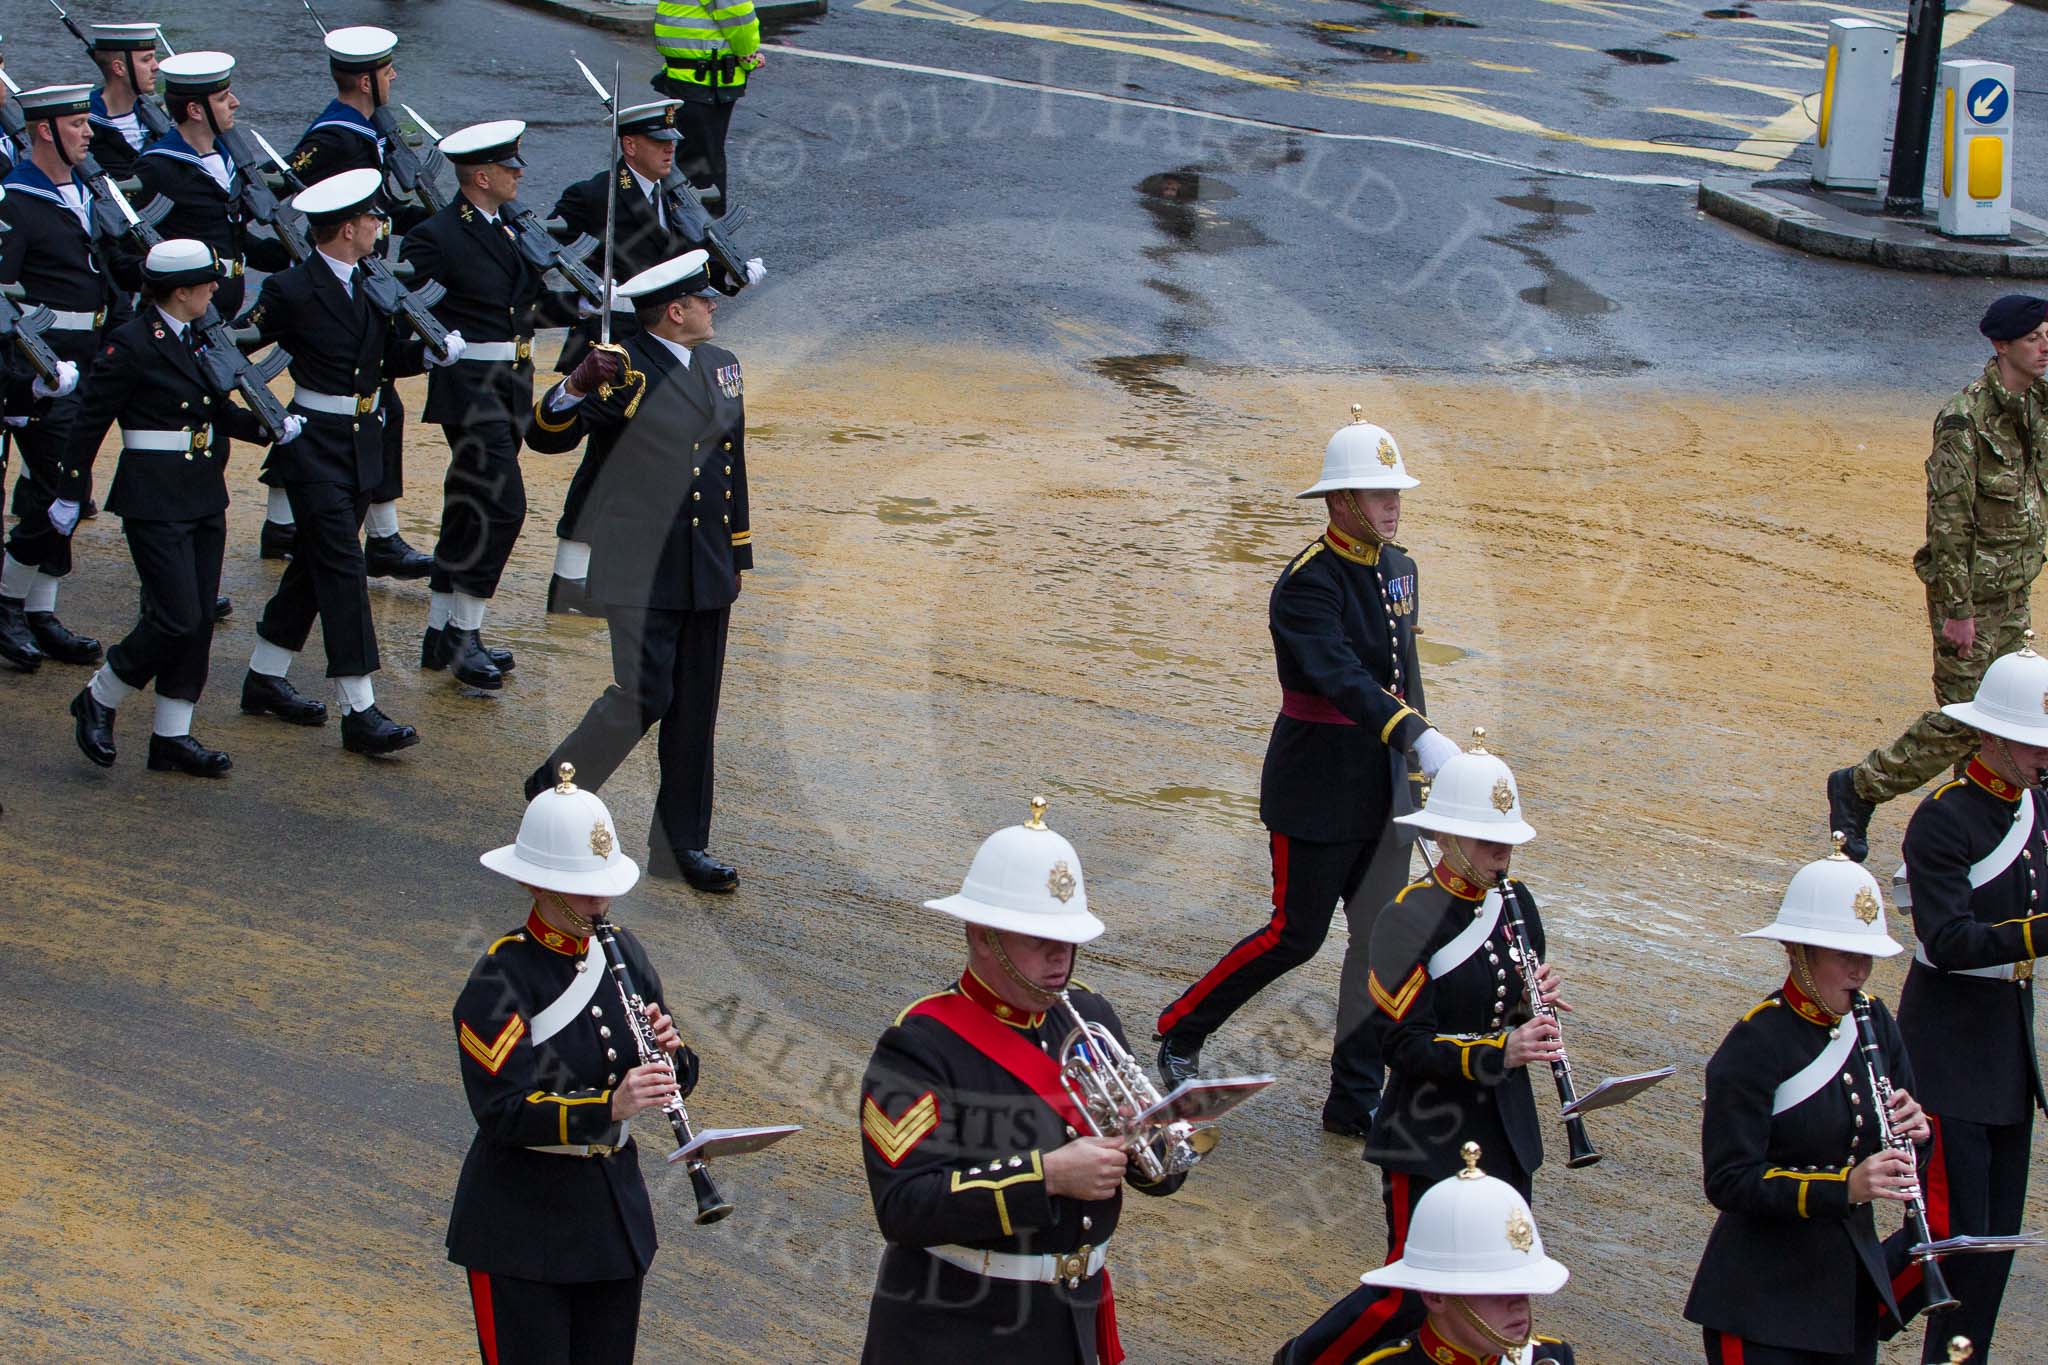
[(893, 1138), (493, 1056), (1397, 1003)]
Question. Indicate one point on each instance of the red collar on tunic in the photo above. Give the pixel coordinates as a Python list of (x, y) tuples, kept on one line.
[(1808, 1008), (1357, 551), (1443, 1353), (1992, 782), (553, 939), (979, 991), (1456, 885)]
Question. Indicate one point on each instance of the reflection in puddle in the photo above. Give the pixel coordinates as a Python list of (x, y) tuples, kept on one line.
[(1177, 202), (1138, 375), (1418, 18), (918, 512), (1638, 56), (1234, 804), (1560, 292), (1437, 652), (848, 435), (1563, 293)]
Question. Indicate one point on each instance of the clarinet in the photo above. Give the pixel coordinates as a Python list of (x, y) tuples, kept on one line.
[(1938, 1296), (711, 1206), (1524, 949)]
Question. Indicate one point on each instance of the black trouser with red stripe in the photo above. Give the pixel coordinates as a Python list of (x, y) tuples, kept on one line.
[(1309, 879), (1975, 1183), (530, 1322), (1723, 1349)]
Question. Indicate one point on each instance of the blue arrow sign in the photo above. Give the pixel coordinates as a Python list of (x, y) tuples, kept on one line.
[(1989, 100)]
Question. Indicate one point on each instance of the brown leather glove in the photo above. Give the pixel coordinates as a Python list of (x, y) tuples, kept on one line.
[(596, 368)]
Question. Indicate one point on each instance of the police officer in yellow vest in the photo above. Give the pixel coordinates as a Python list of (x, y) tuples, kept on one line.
[(708, 47)]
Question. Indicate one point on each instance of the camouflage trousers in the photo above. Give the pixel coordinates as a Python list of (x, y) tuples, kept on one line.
[(1935, 742)]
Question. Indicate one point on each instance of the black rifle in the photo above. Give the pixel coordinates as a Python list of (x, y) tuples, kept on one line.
[(391, 298), (24, 328), (228, 371), (116, 216), (688, 216), (541, 248), (415, 173), (153, 118), (12, 124), (258, 201)]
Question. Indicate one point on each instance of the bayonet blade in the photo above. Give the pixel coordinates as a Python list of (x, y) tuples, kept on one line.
[(425, 126)]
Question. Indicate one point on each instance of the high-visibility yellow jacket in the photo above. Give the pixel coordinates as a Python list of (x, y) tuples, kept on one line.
[(704, 41)]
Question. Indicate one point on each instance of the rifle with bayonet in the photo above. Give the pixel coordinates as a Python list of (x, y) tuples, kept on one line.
[(116, 216), (23, 329), (12, 124), (416, 172), (152, 116), (258, 200), (228, 371), (389, 296)]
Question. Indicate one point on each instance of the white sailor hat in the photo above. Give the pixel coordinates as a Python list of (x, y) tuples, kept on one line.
[(363, 47), (1474, 794), (341, 197), (1363, 456), (125, 37), (2012, 701), (181, 260), (1025, 879), (1833, 903), (656, 120), (486, 144), (675, 278), (1472, 1235), (195, 73), (566, 843), (54, 101)]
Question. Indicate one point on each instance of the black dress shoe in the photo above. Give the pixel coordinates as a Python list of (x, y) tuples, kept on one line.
[(1849, 814), (277, 542), (58, 641), (1345, 1127), (370, 731), (694, 866), (468, 661), (263, 695), (223, 607), (88, 509), (17, 642), (390, 557), (570, 597), (434, 651), (1179, 1061), (95, 728), (184, 754)]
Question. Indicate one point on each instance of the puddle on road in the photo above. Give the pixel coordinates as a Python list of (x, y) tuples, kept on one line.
[(1729, 14), (1417, 18), (1334, 36), (1638, 56), (1178, 201), (1138, 375), (1568, 294), (1543, 204), (1437, 652), (1560, 292), (894, 511)]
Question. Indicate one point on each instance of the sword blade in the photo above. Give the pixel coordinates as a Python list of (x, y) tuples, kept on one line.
[(611, 205)]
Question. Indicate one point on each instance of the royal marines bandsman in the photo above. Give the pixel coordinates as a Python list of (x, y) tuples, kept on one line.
[(344, 353), (997, 1202), (667, 549), (1791, 1141), (1344, 620), (551, 1216), (127, 59), (484, 403), (1976, 858), (1987, 532), (170, 491), (1473, 1260), (646, 237), (51, 251)]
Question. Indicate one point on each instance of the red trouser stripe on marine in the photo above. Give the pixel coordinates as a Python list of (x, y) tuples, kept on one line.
[(1727, 1350), (1934, 1184), (1398, 1201), (1252, 948), (486, 1316)]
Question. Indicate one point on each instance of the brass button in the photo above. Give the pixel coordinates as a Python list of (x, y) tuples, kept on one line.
[(728, 495), (693, 521), (728, 469), (612, 1079), (726, 519), (604, 1031), (728, 445), (596, 1012), (695, 471), (611, 1054), (696, 496)]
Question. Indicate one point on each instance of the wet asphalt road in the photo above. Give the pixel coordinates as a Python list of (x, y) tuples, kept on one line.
[(235, 994)]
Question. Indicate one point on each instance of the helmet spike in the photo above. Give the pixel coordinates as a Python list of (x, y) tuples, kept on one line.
[(568, 783), (1037, 820)]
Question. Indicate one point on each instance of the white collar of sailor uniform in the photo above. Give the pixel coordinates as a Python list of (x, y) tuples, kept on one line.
[(173, 144), (338, 114)]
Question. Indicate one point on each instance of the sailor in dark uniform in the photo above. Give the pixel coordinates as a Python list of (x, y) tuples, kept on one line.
[(668, 549), (1338, 766), (1793, 1273), (342, 138), (344, 351), (551, 1217), (997, 1202), (190, 167), (1473, 1262), (483, 404), (51, 252), (1976, 855), (170, 491), (647, 236), (126, 57)]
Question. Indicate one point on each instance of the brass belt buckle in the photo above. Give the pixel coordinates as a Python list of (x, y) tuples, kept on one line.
[(600, 1149), (1072, 1266), (366, 403), (523, 348), (2023, 971), (200, 438)]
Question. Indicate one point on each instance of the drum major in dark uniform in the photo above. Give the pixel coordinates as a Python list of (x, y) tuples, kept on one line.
[(671, 536), (1976, 859), (1343, 619)]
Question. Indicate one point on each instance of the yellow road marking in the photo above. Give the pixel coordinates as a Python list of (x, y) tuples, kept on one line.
[(1503, 66)]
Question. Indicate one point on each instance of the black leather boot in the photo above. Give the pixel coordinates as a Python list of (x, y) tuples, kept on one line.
[(17, 642), (570, 597), (468, 661), (223, 607), (263, 695), (95, 728), (184, 754), (390, 557), (277, 541), (370, 731), (58, 641)]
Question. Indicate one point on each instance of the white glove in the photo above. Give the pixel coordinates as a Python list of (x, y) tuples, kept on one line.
[(757, 270), (585, 309), (293, 425), (1432, 750), (67, 380), (64, 516), (456, 346)]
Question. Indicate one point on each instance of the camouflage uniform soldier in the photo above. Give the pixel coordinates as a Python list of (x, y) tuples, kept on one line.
[(1987, 514)]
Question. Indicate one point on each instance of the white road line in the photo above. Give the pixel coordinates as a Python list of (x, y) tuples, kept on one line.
[(1238, 120)]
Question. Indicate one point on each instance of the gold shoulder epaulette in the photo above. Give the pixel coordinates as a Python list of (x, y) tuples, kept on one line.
[(905, 1014), (509, 938), (1760, 1007), (1384, 1353), (1945, 788), (1402, 894), (1305, 556)]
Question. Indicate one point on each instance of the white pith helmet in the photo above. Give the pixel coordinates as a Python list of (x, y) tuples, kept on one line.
[(2012, 701), (1472, 1235), (1360, 455), (566, 843), (1474, 794), (1025, 879), (1833, 903)]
